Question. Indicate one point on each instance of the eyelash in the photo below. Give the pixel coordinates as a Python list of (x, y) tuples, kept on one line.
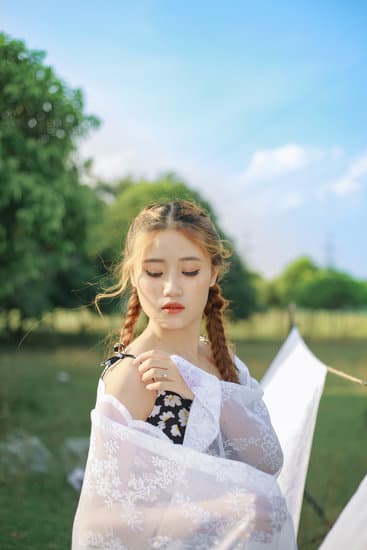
[(187, 273)]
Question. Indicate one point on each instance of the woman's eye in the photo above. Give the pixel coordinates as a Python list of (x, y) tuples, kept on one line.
[(191, 273), (153, 273), (159, 273)]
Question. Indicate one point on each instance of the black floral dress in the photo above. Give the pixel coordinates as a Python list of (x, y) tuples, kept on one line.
[(170, 413)]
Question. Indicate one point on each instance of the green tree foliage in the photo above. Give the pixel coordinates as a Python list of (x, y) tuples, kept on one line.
[(239, 288), (309, 286), (266, 294), (363, 287), (331, 289), (133, 195), (45, 213), (108, 191), (284, 288)]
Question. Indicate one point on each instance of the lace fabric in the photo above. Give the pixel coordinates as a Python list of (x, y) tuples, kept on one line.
[(216, 490)]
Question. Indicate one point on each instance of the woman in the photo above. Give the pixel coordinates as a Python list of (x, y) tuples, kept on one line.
[(182, 453)]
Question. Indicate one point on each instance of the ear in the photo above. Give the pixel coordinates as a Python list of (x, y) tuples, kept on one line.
[(214, 276)]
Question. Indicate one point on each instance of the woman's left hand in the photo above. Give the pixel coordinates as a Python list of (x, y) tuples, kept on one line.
[(159, 372)]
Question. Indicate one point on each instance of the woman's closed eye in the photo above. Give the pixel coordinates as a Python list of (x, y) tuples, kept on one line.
[(191, 273), (153, 273), (159, 273)]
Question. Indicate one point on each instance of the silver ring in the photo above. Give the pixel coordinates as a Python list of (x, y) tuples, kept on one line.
[(164, 375)]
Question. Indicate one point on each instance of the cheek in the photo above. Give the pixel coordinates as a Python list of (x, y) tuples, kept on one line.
[(146, 288), (200, 292)]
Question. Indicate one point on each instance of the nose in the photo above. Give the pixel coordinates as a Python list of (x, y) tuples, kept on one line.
[(171, 286)]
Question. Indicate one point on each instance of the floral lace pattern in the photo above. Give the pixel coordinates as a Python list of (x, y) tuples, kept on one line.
[(211, 426), (142, 491), (251, 438)]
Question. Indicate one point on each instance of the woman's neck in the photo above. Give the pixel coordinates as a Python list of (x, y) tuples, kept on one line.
[(185, 343)]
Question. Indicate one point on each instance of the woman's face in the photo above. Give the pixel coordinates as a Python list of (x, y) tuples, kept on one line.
[(173, 280)]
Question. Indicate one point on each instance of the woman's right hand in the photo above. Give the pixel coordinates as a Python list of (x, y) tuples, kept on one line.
[(159, 372)]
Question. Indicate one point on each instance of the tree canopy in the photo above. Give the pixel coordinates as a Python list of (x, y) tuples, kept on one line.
[(294, 276), (331, 289), (311, 286), (44, 221)]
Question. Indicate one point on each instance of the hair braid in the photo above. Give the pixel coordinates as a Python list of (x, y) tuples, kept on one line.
[(214, 309), (131, 317)]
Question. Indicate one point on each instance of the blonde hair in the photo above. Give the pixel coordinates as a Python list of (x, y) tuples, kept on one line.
[(195, 224)]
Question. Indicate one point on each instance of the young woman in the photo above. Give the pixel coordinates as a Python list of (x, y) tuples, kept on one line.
[(182, 453)]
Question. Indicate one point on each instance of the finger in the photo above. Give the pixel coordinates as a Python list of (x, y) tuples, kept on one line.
[(160, 385), (153, 353), (155, 373), (149, 364), (153, 362), (144, 356)]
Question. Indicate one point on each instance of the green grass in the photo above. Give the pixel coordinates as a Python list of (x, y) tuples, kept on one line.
[(38, 509), (83, 324)]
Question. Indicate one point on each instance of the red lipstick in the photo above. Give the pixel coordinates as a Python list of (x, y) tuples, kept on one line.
[(173, 307)]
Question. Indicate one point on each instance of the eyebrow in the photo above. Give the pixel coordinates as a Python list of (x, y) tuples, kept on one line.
[(186, 259)]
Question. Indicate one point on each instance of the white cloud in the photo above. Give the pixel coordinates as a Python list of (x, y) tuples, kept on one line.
[(359, 167), (292, 200), (350, 182), (345, 186), (270, 163), (113, 165)]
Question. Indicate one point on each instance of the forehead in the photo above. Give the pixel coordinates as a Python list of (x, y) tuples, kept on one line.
[(171, 244)]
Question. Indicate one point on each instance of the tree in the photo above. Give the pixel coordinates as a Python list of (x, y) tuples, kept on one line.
[(108, 191), (363, 287), (296, 274), (239, 288), (310, 286), (134, 196), (45, 213), (266, 292), (331, 289)]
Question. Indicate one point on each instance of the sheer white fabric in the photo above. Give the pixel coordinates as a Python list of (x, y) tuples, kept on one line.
[(293, 385), (350, 529), (217, 490)]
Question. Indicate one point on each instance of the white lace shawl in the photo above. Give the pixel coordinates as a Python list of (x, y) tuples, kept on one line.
[(217, 490)]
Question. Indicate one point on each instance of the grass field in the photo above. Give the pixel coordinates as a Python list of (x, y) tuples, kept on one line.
[(37, 508), (317, 325)]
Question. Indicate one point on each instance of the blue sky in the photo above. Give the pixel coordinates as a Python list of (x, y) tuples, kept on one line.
[(261, 106)]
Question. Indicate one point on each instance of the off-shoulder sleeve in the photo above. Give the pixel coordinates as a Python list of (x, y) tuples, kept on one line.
[(246, 429)]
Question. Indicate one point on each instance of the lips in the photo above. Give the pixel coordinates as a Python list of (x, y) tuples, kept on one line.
[(173, 307)]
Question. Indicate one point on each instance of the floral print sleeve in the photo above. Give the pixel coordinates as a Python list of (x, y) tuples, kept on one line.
[(170, 413)]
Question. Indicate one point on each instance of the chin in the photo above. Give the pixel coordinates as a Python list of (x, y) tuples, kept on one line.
[(174, 324)]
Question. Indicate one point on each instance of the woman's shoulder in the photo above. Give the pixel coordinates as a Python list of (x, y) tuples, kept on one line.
[(123, 381)]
